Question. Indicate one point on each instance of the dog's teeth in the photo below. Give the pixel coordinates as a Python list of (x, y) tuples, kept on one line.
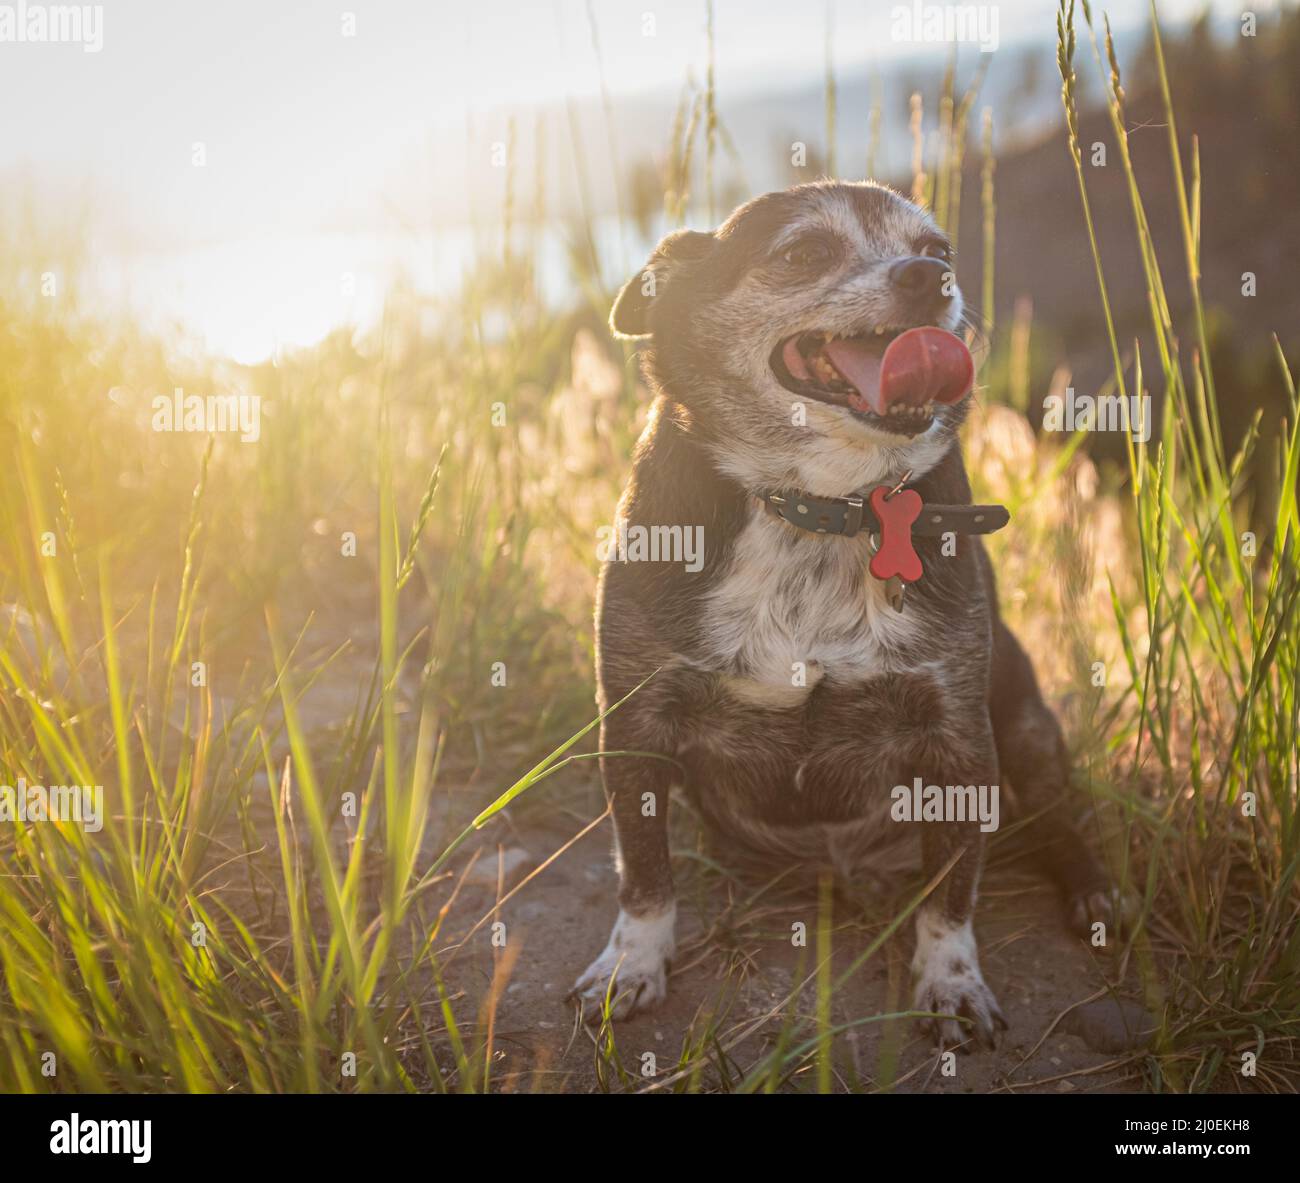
[(824, 370)]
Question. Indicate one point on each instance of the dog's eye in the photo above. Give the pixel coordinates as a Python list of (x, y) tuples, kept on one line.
[(936, 248), (809, 253)]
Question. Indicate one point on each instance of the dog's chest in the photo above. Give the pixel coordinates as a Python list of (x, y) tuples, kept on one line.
[(791, 610)]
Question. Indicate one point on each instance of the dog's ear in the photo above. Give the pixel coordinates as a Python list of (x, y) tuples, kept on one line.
[(630, 316)]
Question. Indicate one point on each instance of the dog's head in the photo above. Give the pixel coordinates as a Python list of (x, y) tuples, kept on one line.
[(782, 333)]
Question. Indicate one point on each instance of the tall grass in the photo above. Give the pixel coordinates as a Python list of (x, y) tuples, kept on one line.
[(1210, 714)]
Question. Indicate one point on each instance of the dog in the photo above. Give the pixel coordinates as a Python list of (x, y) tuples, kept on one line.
[(804, 360)]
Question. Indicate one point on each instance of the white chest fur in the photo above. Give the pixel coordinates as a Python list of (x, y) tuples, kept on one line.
[(792, 609)]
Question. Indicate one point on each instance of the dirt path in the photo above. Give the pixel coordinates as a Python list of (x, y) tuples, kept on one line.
[(737, 965), (747, 967)]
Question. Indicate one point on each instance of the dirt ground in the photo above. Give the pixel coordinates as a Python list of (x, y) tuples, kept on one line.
[(737, 963), (560, 919)]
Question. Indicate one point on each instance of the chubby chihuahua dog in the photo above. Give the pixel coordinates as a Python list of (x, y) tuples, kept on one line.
[(806, 371)]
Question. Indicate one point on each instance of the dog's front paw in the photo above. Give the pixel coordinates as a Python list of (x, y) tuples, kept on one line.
[(966, 996), (636, 961)]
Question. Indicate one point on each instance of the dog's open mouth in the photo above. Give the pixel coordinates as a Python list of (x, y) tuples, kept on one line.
[(895, 379)]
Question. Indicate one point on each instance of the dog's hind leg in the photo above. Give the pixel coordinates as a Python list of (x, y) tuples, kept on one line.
[(1033, 757)]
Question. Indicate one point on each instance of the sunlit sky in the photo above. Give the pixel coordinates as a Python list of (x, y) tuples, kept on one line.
[(309, 132)]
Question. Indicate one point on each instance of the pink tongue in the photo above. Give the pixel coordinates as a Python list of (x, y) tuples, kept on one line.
[(920, 366)]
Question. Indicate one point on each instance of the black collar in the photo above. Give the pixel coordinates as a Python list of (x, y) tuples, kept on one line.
[(848, 516)]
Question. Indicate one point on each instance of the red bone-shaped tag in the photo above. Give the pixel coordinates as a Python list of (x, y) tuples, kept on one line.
[(896, 514)]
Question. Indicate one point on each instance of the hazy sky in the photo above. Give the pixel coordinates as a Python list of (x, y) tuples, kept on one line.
[(295, 114), (308, 129)]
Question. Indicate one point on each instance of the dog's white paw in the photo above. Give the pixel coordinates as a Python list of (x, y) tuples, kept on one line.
[(636, 958), (950, 983), (967, 996)]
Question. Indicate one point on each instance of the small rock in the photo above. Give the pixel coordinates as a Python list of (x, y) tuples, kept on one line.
[(1111, 1025)]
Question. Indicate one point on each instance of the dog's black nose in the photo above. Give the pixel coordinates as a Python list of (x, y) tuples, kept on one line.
[(922, 279)]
